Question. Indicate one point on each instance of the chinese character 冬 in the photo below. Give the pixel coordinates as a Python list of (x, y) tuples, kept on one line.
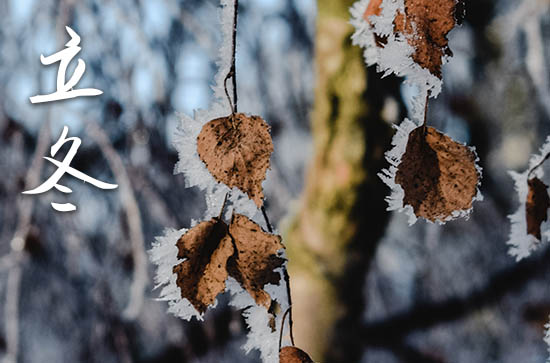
[(64, 167), (64, 57)]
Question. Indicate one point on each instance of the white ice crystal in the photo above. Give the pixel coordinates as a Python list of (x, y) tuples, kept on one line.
[(164, 254), (394, 156), (547, 338), (395, 56), (521, 243)]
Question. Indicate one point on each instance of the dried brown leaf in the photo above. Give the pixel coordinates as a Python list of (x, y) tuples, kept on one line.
[(255, 259), (293, 355), (426, 24), (536, 206), (236, 150), (206, 249), (438, 175)]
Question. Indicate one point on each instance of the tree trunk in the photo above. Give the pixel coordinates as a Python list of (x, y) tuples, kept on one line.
[(332, 239)]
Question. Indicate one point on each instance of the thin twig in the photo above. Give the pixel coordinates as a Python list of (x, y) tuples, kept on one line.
[(538, 165), (234, 51), (128, 200), (269, 228), (287, 282), (223, 206), (233, 69), (290, 321), (426, 110), (283, 328)]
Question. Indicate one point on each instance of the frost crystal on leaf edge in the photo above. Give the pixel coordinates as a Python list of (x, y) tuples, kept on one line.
[(164, 254)]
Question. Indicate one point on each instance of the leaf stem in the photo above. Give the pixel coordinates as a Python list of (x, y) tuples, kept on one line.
[(269, 228), (426, 110), (290, 322), (287, 282), (538, 165), (223, 206), (282, 328), (233, 69)]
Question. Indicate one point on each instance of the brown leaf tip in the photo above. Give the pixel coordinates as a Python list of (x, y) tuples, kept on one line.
[(438, 175), (293, 355), (536, 206), (236, 150)]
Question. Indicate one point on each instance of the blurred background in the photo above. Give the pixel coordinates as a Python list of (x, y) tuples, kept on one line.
[(77, 287)]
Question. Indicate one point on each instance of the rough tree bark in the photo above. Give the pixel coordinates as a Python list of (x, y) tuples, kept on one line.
[(333, 237)]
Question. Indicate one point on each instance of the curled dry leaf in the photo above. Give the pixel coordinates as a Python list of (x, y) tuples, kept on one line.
[(255, 259), (236, 150), (206, 249), (536, 206), (438, 175), (293, 355), (425, 24)]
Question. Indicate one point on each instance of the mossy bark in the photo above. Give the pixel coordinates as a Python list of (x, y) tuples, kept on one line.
[(333, 237)]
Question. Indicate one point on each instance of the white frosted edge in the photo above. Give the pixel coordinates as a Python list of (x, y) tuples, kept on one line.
[(164, 255), (260, 335), (394, 156), (521, 243), (396, 55), (547, 338)]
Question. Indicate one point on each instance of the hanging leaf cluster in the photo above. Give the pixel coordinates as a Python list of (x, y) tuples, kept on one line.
[(236, 150), (212, 251), (431, 176)]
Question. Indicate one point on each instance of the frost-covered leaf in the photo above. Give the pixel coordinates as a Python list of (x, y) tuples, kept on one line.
[(431, 175), (293, 355), (536, 206), (256, 258), (236, 150), (526, 232), (407, 38), (426, 24), (164, 255), (201, 276), (437, 174)]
